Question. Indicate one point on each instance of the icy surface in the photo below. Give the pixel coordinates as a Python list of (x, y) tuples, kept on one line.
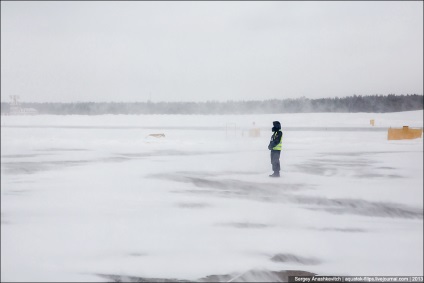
[(84, 196)]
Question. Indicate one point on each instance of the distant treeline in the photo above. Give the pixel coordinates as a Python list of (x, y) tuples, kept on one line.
[(355, 103)]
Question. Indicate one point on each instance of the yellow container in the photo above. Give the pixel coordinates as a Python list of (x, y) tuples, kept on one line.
[(404, 133), (372, 122)]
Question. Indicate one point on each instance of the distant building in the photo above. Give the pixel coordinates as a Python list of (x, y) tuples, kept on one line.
[(16, 109)]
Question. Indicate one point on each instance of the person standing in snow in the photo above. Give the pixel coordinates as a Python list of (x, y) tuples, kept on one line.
[(275, 147)]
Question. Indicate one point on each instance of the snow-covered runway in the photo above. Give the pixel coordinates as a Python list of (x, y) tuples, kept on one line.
[(85, 196)]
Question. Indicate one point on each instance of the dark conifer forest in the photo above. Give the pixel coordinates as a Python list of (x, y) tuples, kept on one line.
[(355, 103)]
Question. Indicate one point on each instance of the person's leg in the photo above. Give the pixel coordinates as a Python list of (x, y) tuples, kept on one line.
[(275, 161), (278, 161), (272, 159)]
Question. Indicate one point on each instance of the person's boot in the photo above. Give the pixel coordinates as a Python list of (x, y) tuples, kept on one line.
[(275, 174)]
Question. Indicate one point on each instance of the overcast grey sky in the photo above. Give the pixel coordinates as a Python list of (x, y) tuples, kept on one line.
[(56, 51)]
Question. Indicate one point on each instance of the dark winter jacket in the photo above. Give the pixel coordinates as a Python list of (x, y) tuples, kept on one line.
[(275, 138)]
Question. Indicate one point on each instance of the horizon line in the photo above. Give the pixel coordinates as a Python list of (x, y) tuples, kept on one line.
[(218, 101)]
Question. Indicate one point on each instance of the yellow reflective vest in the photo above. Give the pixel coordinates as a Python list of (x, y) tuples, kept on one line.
[(278, 146)]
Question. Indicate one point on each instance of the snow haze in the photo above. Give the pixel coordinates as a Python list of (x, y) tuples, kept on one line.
[(66, 51), (87, 198)]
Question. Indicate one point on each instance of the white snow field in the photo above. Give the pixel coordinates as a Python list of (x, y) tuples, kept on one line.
[(94, 198)]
